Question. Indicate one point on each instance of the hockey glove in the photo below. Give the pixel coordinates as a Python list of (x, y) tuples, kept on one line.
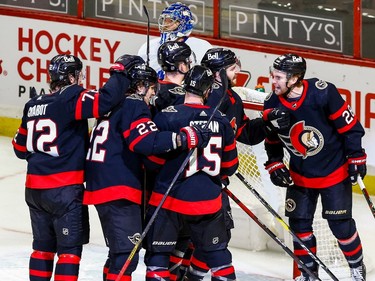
[(357, 165), (279, 174), (278, 119), (124, 63), (194, 136)]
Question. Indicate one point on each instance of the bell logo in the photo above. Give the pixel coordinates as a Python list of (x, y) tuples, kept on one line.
[(173, 47), (213, 56), (296, 59), (69, 59)]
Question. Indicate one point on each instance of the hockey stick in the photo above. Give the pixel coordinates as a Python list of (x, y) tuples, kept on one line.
[(271, 234), (180, 170), (148, 35), (367, 196), (286, 226)]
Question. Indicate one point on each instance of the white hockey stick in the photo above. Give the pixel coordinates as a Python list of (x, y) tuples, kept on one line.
[(365, 193)]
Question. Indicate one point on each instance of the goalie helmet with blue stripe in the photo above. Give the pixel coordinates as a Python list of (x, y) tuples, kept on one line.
[(175, 21)]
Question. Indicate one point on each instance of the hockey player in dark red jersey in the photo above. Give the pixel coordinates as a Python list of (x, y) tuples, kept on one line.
[(174, 59), (53, 138), (114, 167), (326, 157), (194, 202)]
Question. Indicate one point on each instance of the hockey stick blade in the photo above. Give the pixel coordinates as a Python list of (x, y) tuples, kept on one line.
[(366, 195), (286, 226), (148, 35), (270, 233)]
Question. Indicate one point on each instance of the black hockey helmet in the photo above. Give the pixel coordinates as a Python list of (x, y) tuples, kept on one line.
[(61, 66), (170, 54), (218, 58), (142, 73), (198, 79), (291, 64)]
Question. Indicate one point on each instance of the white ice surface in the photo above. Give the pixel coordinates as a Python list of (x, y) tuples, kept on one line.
[(16, 238)]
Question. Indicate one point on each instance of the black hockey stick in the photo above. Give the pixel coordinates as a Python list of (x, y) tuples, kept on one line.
[(148, 35), (365, 193), (286, 226), (271, 234), (223, 75)]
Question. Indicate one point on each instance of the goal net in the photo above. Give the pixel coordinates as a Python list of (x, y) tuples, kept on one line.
[(251, 167)]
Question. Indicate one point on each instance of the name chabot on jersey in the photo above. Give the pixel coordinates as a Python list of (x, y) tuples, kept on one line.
[(213, 126)]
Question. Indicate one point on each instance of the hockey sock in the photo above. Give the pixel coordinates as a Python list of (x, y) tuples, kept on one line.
[(41, 266), (197, 269), (352, 249), (309, 239), (225, 272), (116, 263), (186, 261), (106, 269), (179, 263), (156, 273), (349, 242), (67, 267)]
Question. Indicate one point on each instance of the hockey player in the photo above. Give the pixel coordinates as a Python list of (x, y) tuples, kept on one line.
[(174, 59), (194, 202), (114, 167), (53, 138), (326, 157), (246, 131), (175, 24)]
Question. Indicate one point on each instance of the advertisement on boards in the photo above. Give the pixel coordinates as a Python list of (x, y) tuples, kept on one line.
[(28, 45)]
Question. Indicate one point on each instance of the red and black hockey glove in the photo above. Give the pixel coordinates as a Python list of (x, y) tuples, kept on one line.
[(194, 136), (124, 63), (279, 174), (357, 166), (276, 119)]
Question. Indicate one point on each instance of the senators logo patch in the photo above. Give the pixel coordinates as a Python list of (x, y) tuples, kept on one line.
[(290, 205), (303, 141), (177, 91), (321, 85), (135, 238)]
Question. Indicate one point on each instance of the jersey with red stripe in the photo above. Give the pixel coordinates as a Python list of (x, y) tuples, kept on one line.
[(323, 131), (53, 135), (118, 143), (198, 188), (246, 131)]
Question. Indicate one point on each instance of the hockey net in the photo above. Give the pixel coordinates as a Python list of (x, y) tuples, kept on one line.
[(251, 168)]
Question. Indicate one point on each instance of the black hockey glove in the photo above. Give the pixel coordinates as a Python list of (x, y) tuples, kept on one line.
[(194, 136), (124, 63), (279, 174), (357, 165), (276, 118)]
